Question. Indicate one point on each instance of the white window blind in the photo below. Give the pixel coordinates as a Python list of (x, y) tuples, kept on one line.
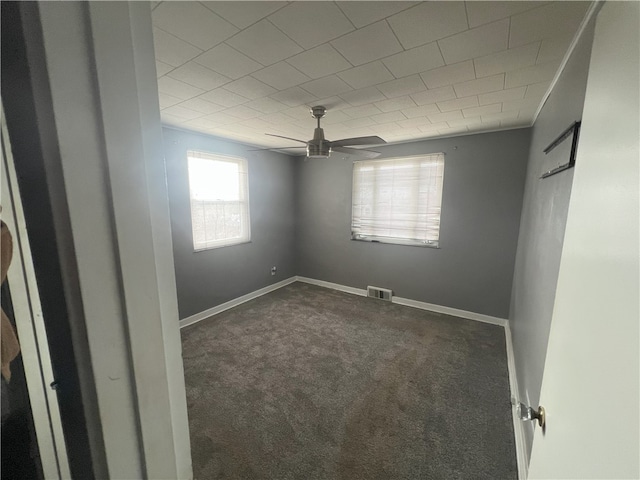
[(219, 192), (398, 200)]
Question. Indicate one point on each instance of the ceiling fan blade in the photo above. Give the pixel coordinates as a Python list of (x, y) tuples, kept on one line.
[(373, 140), (356, 151), (270, 148), (288, 138)]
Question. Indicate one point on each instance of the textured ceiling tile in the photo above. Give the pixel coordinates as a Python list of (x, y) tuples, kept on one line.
[(502, 96), (445, 117), (293, 96), (414, 122), (416, 60), (553, 49), (476, 42), (243, 14), (458, 104), (228, 62), (358, 122), (264, 43), (529, 75), (224, 97), (520, 104), (193, 23), (326, 87), (333, 117), (162, 68), (453, 131), (403, 86), (281, 76), (537, 90), (434, 95), (179, 89), (421, 111), (250, 88), (388, 117), (362, 111), (277, 118), (362, 96), (546, 21), (166, 100), (364, 13), (449, 74), (266, 105), (394, 104), (434, 126), (311, 23), (195, 74), (368, 44), (480, 13), (200, 105), (507, 60), (171, 50), (428, 21), (481, 85), (366, 75), (493, 117), (465, 121), (242, 112), (484, 110), (388, 128), (220, 118), (182, 112), (319, 62)]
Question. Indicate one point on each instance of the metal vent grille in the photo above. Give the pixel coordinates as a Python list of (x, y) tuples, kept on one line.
[(379, 293)]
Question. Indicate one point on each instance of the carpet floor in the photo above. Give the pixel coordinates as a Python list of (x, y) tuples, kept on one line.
[(312, 383)]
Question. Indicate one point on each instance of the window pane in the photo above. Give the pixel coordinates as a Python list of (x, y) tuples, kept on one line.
[(398, 199), (219, 200)]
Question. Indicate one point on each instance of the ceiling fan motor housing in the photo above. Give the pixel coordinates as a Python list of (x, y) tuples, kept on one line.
[(318, 147)]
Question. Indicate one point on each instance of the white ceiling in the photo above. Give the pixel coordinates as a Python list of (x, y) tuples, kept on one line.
[(401, 70)]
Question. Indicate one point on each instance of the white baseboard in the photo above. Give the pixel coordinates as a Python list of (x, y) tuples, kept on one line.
[(235, 302), (479, 317), (518, 425), (333, 286)]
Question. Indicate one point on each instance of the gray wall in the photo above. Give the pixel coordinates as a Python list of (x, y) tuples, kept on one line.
[(208, 278), (482, 198), (544, 215)]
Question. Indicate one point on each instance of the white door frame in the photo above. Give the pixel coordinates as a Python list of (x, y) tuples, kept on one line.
[(34, 346)]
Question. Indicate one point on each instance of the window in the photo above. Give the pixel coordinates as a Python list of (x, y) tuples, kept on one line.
[(398, 200), (219, 192)]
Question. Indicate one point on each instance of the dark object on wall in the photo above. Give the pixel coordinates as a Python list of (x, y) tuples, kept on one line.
[(561, 153)]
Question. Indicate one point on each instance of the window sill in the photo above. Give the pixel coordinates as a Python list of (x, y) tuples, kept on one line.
[(396, 241), (216, 247)]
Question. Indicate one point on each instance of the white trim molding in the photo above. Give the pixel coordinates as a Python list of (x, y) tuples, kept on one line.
[(185, 322), (522, 456), (478, 317), (334, 286)]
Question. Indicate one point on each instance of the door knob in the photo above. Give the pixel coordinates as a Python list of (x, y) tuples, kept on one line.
[(529, 414)]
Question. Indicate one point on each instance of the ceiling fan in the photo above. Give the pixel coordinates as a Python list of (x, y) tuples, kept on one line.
[(319, 147)]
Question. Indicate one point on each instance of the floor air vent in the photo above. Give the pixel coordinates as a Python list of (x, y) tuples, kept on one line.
[(379, 293)]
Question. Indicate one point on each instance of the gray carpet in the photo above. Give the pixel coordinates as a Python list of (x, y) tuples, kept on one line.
[(311, 383)]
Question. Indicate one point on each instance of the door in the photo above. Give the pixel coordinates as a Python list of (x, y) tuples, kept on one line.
[(29, 323), (590, 384)]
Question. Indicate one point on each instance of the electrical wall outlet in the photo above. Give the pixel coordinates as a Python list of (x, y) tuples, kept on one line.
[(273, 270)]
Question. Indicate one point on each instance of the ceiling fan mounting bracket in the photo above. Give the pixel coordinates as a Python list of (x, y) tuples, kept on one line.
[(318, 112)]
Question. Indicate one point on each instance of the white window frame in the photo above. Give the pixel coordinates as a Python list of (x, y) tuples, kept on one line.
[(243, 188), (425, 206)]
